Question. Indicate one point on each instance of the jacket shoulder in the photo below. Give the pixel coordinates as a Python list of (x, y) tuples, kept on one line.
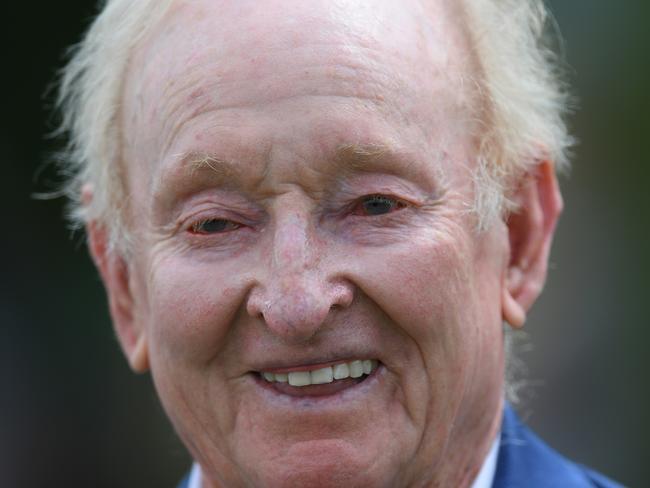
[(526, 461), (598, 480)]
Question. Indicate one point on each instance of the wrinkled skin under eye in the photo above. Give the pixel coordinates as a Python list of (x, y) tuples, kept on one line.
[(213, 226), (372, 205)]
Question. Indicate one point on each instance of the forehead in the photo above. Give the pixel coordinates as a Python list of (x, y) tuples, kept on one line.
[(226, 57)]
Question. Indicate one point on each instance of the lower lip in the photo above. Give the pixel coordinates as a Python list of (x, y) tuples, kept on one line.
[(327, 390)]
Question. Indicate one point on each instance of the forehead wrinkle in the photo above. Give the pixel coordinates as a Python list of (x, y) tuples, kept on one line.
[(203, 83), (182, 101), (200, 93), (193, 87)]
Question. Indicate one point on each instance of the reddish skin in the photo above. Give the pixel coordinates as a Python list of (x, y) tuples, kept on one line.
[(304, 275)]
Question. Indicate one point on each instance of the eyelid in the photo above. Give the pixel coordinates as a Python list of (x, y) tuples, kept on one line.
[(187, 222), (351, 206), (388, 196), (382, 196), (217, 203), (193, 228), (406, 202)]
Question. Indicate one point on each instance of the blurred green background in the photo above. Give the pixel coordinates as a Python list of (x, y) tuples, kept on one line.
[(71, 412)]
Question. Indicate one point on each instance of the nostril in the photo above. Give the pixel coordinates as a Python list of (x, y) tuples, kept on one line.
[(297, 308), (341, 295)]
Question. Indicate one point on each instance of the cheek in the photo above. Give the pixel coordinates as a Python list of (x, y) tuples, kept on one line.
[(190, 308), (422, 285), (440, 297)]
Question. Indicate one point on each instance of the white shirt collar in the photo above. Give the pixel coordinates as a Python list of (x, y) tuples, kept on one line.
[(485, 476), (195, 476), (484, 479)]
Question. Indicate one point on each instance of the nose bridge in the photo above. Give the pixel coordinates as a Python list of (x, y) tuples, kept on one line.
[(298, 303), (299, 287), (294, 244)]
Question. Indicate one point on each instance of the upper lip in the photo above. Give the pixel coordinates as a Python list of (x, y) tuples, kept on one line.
[(310, 367), (306, 363)]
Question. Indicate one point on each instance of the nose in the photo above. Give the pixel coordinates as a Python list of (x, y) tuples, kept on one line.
[(300, 283)]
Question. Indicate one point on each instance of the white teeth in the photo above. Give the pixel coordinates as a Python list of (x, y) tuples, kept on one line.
[(322, 376), (356, 369), (353, 369), (299, 378), (341, 371), (367, 366)]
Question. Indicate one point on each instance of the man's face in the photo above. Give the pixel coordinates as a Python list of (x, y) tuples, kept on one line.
[(300, 179)]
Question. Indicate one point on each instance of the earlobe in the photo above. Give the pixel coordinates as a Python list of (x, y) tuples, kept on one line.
[(513, 312), (139, 357), (530, 229), (114, 272)]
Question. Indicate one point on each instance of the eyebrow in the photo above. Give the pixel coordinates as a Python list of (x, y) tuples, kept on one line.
[(357, 157), (202, 169), (196, 170), (198, 161), (372, 158), (195, 164)]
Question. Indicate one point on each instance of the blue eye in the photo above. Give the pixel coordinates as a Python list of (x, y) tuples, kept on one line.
[(213, 226), (379, 205)]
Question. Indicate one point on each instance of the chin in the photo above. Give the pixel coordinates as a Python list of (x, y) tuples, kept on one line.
[(316, 463), (324, 464)]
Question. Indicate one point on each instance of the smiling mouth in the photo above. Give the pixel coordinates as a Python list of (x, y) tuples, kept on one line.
[(326, 380)]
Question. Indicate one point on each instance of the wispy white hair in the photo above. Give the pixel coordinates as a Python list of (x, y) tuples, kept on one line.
[(523, 83), (89, 100), (519, 82)]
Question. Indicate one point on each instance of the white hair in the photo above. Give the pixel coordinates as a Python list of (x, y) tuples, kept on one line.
[(89, 100), (523, 83), (519, 80)]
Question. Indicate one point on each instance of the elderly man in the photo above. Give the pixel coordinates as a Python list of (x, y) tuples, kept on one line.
[(312, 219)]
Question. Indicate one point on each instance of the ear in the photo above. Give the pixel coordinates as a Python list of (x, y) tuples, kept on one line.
[(114, 271), (531, 228)]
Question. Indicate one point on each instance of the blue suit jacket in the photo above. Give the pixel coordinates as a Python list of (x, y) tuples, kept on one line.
[(526, 462)]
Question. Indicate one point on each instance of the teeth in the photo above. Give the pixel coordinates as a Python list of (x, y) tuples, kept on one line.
[(322, 376), (299, 378), (353, 369), (367, 366), (341, 371), (356, 369)]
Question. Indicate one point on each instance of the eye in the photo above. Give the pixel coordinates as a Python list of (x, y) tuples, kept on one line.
[(373, 205), (213, 226)]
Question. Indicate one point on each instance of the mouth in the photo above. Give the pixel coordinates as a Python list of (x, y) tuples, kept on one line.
[(320, 380)]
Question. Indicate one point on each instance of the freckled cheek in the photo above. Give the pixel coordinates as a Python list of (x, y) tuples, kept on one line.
[(191, 311), (430, 280), (429, 292)]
